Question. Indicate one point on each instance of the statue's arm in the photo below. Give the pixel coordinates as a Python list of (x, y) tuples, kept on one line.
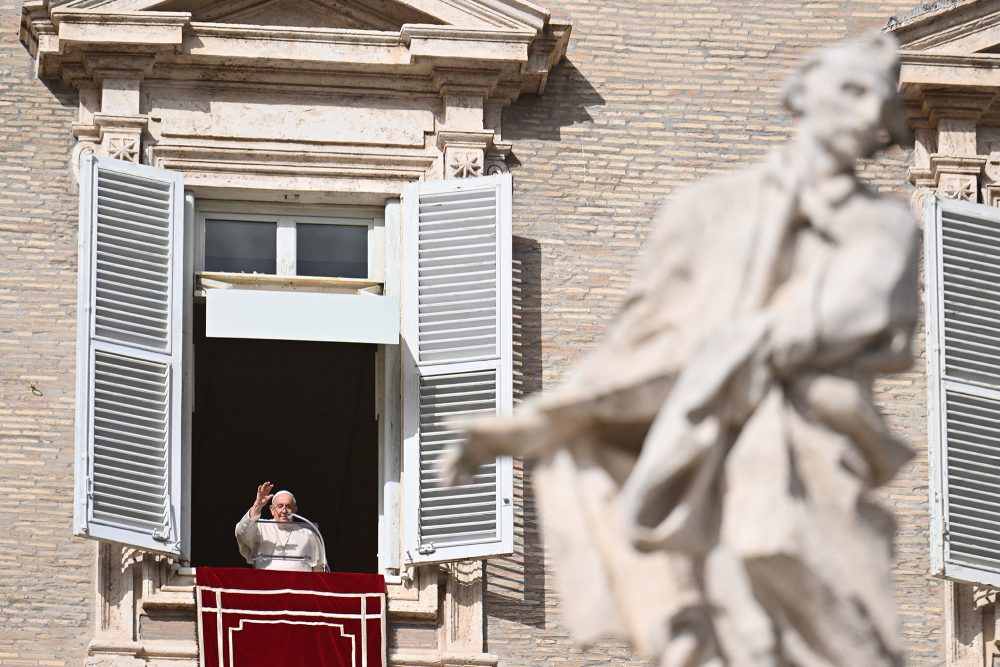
[(862, 306)]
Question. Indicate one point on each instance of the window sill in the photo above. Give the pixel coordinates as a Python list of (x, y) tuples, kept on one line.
[(257, 281)]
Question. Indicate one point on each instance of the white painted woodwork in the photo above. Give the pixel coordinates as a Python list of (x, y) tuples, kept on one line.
[(457, 362), (129, 421), (278, 315), (962, 242)]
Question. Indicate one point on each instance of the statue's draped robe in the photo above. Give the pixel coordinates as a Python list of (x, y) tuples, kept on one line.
[(706, 470)]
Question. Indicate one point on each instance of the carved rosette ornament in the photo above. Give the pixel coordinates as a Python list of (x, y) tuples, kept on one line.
[(465, 165), (464, 152), (124, 148), (958, 186), (957, 177)]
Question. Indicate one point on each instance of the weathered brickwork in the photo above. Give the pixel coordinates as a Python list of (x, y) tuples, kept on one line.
[(652, 95), (46, 577)]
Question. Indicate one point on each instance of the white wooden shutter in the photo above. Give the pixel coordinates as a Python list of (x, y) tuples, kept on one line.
[(457, 362), (128, 417), (962, 242)]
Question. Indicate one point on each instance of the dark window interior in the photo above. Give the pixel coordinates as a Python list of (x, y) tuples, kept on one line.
[(298, 414), (241, 247), (338, 251)]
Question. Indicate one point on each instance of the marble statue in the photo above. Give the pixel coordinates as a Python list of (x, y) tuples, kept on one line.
[(704, 475)]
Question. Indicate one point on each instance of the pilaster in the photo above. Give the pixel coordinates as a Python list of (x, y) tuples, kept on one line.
[(115, 642), (469, 119), (956, 167), (461, 630)]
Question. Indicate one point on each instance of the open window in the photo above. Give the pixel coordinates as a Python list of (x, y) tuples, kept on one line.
[(962, 242), (306, 400)]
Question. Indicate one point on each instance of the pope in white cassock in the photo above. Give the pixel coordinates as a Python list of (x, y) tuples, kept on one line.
[(281, 544)]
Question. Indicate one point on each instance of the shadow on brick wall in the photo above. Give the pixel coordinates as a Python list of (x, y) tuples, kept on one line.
[(568, 95), (515, 586)]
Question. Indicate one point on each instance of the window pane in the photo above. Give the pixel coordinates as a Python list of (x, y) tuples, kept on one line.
[(331, 250), (241, 247)]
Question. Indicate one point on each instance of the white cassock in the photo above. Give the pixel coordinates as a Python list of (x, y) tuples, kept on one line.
[(278, 546)]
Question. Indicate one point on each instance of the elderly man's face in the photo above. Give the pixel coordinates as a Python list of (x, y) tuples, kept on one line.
[(283, 507), (843, 108)]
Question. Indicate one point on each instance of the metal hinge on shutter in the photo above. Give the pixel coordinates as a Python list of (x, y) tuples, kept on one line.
[(164, 533), (88, 498), (426, 549)]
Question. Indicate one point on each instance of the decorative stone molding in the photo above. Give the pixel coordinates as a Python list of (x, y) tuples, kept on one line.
[(462, 627), (114, 661), (464, 164), (956, 177), (416, 596)]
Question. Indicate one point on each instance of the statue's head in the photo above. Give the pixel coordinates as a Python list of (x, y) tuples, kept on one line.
[(846, 98)]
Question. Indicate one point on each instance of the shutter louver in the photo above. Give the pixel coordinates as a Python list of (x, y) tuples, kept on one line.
[(131, 433), (457, 331), (457, 279), (133, 261), (466, 513), (963, 247), (129, 352)]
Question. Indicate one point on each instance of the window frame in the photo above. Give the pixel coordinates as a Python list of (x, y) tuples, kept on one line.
[(384, 261), (285, 238)]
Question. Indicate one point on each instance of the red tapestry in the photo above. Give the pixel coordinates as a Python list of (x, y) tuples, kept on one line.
[(248, 618)]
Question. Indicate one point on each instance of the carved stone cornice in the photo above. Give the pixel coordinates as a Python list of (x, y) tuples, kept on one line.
[(972, 165), (479, 139), (466, 81), (436, 659), (959, 105), (59, 38)]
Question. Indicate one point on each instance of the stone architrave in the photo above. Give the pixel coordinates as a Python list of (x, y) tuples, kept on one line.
[(705, 475)]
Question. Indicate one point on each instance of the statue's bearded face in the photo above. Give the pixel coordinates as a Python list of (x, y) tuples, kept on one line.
[(844, 107)]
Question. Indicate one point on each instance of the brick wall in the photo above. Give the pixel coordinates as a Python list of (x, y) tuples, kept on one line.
[(651, 96), (46, 589)]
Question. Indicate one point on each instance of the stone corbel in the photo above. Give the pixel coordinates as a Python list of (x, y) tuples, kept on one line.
[(925, 143), (496, 157), (464, 152), (496, 154), (115, 643), (461, 630), (949, 104)]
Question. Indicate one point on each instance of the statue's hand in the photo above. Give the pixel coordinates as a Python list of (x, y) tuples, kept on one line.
[(526, 433), (480, 445)]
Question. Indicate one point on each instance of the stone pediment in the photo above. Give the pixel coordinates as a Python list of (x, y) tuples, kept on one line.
[(963, 28), (514, 41), (378, 15), (335, 14)]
